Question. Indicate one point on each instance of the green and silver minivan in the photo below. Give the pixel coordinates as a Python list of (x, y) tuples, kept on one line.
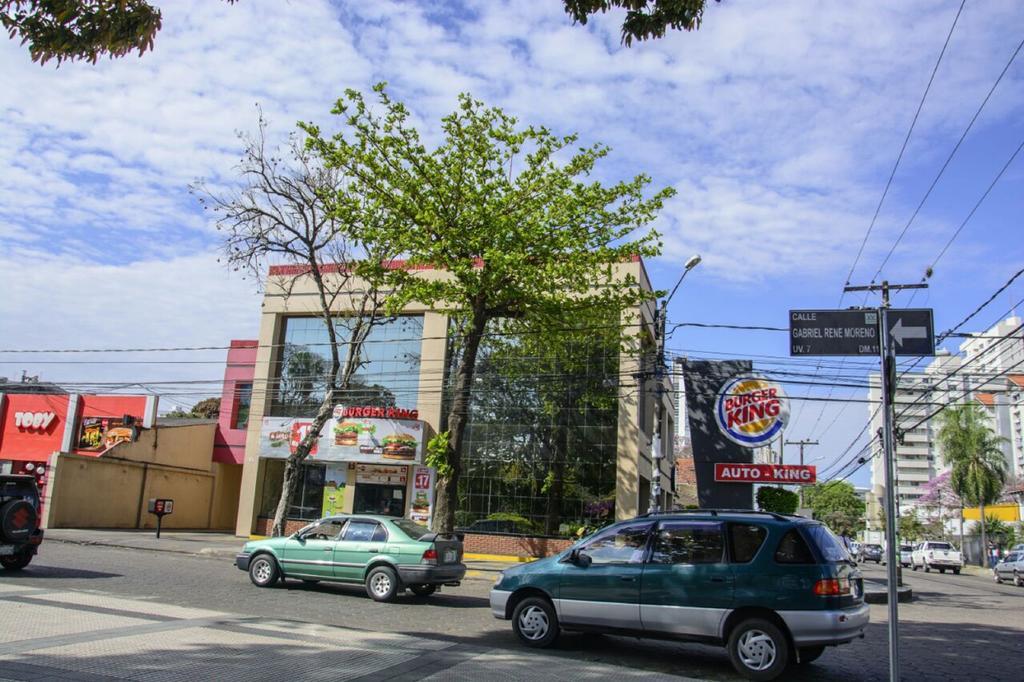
[(774, 590)]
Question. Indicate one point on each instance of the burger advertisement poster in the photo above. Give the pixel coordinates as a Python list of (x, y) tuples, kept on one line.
[(351, 437)]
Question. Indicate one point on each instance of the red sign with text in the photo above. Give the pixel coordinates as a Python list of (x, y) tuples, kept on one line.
[(727, 472)]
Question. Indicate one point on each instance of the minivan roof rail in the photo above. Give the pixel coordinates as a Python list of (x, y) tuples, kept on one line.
[(716, 512)]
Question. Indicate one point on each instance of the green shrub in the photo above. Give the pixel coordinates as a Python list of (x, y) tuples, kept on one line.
[(777, 500)]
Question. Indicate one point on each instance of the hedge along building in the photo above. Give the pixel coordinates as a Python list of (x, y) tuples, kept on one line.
[(553, 439)]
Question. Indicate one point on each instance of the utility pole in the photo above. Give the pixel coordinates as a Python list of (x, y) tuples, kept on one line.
[(660, 313), (887, 355), (802, 443)]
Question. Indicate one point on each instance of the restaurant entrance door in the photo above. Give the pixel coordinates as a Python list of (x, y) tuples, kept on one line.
[(371, 498)]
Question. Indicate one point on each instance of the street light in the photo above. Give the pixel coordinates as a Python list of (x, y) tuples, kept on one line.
[(659, 330)]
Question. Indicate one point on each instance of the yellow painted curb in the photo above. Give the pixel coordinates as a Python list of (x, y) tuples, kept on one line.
[(505, 558)]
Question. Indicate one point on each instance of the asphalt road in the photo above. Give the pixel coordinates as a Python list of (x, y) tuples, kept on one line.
[(958, 627)]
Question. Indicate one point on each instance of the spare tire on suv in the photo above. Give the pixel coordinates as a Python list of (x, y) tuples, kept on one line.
[(20, 534)]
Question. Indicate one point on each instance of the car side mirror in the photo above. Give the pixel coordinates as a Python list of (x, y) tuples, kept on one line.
[(580, 558)]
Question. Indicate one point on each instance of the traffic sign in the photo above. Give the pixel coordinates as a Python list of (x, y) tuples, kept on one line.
[(855, 332)]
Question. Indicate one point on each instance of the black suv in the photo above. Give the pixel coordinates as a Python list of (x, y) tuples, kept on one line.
[(20, 534)]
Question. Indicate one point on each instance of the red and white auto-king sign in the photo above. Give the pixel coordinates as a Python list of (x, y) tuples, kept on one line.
[(727, 472)]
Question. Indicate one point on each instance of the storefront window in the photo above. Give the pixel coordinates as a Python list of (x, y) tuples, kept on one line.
[(388, 375), (307, 503), (541, 442)]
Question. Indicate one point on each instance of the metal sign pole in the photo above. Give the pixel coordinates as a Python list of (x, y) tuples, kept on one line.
[(888, 360)]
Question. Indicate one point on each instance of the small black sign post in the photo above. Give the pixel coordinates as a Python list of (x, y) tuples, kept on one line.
[(160, 508)]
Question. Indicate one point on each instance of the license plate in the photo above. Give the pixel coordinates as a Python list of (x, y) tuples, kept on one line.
[(450, 556), (6, 550)]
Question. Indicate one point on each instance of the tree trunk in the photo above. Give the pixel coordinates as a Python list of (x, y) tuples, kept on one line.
[(292, 465), (984, 539), (458, 414)]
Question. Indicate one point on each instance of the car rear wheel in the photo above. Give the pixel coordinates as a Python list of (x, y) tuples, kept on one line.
[(956, 571), (16, 562), (995, 576), (1018, 579), (927, 568), (758, 649), (263, 571), (382, 584), (535, 622), (942, 571), (809, 654), (423, 590)]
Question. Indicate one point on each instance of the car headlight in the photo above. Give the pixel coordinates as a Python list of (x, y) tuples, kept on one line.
[(498, 579)]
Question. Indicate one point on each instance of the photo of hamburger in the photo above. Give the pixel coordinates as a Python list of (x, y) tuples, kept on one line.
[(399, 446), (420, 503), (346, 433)]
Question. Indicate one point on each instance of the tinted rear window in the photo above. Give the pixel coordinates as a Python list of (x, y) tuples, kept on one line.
[(830, 546), (744, 541), (793, 550), (939, 545), (414, 530)]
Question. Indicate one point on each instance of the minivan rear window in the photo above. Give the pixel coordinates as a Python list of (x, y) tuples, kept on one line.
[(793, 550), (830, 546), (744, 541)]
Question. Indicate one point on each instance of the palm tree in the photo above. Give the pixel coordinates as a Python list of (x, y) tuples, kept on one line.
[(972, 450)]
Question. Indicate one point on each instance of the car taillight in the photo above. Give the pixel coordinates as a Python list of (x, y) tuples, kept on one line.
[(429, 557), (831, 587), (931, 555)]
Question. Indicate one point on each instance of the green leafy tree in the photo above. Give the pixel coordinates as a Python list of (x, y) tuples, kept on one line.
[(1003, 534), (910, 528), (779, 500), (978, 467), (837, 505), (208, 408), (509, 215), (645, 19), (70, 30)]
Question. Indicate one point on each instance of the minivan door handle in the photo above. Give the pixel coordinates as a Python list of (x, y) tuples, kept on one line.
[(626, 578), (719, 580)]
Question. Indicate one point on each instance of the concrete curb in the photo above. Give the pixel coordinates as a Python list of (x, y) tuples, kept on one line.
[(204, 551), (903, 595)]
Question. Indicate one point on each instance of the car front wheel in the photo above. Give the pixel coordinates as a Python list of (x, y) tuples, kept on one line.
[(758, 649), (1018, 579), (535, 622), (263, 571), (16, 562), (995, 576), (382, 584)]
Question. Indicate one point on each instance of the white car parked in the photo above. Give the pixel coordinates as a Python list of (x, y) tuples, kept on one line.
[(935, 554), (1011, 568)]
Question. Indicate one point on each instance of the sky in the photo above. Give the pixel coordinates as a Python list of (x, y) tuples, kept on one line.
[(777, 123)]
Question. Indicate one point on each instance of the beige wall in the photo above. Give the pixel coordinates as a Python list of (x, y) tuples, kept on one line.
[(113, 491), (188, 446)]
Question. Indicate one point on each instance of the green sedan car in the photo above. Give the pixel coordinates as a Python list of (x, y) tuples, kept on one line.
[(388, 555)]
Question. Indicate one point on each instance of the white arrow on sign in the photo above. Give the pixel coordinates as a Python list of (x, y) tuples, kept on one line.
[(899, 332)]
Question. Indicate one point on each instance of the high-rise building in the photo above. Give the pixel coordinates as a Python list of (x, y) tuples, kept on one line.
[(983, 373)]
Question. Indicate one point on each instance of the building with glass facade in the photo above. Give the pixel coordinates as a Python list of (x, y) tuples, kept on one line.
[(559, 433)]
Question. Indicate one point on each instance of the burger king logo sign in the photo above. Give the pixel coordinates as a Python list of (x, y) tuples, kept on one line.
[(751, 411)]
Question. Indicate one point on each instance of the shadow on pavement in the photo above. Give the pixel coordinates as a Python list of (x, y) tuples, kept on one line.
[(441, 599), (34, 572)]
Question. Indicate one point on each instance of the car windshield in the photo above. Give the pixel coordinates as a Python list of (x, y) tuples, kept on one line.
[(831, 547), (939, 545), (414, 530)]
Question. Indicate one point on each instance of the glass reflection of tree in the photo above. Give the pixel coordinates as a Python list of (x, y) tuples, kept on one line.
[(303, 376)]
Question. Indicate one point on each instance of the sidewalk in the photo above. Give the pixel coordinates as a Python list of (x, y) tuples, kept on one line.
[(210, 544)]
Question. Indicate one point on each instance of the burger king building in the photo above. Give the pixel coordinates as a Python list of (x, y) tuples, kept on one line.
[(369, 458)]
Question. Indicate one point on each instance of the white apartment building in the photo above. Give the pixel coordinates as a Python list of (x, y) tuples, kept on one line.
[(948, 379)]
